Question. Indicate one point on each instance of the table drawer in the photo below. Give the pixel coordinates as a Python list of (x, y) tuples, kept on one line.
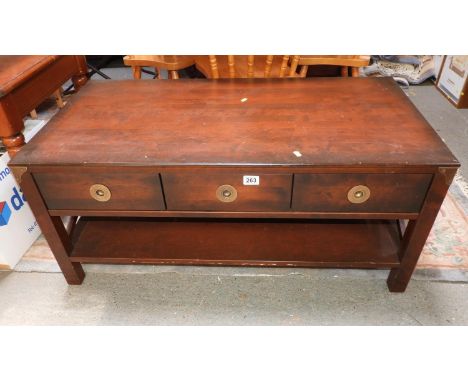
[(101, 191), (227, 192), (360, 192)]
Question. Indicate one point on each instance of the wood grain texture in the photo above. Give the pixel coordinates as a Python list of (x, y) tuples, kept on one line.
[(198, 192), (15, 70), (237, 214), (294, 64), (25, 82), (167, 62), (283, 66), (418, 230), (251, 66), (200, 122), (339, 60), (389, 192), (231, 65), (136, 70), (214, 66), (44, 83), (14, 143), (362, 244), (269, 62), (54, 231), (344, 61), (310, 141), (129, 190), (80, 77)]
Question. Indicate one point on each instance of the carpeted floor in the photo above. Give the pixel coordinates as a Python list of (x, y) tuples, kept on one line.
[(447, 245)]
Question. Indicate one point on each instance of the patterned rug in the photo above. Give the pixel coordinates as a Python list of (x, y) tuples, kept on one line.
[(446, 247), (447, 244)]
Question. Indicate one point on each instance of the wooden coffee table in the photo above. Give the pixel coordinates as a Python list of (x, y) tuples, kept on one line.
[(25, 82), (296, 173)]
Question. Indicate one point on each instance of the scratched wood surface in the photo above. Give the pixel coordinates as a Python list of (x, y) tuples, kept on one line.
[(326, 121)]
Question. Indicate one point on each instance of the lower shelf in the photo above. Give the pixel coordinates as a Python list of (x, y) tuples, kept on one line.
[(300, 243)]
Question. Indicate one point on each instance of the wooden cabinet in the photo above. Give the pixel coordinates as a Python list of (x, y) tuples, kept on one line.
[(25, 82), (298, 173)]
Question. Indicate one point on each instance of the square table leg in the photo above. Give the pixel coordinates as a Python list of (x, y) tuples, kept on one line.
[(54, 231), (418, 230)]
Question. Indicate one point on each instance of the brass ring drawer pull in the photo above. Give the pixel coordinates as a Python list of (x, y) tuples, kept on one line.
[(226, 193), (100, 192), (358, 194)]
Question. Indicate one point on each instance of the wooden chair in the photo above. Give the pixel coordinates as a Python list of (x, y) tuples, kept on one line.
[(346, 62), (247, 66), (170, 63), (58, 100)]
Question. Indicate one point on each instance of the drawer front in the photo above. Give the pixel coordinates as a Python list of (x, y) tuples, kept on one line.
[(122, 191), (360, 192), (227, 192)]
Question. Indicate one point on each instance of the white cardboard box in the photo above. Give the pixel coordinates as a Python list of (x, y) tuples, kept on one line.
[(18, 226)]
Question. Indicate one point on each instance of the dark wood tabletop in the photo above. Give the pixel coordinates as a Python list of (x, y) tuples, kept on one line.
[(16, 69), (317, 122)]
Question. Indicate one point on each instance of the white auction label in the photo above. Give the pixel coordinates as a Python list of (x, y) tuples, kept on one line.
[(251, 180)]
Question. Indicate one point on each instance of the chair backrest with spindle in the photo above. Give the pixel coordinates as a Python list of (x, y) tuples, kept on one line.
[(253, 66), (345, 62)]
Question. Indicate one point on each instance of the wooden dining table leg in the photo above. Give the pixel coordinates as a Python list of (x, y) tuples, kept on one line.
[(136, 70), (344, 71), (80, 77), (53, 229), (417, 231), (11, 126), (58, 98), (354, 72), (13, 143), (160, 77)]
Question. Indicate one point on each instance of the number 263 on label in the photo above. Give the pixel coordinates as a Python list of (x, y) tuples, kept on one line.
[(251, 180)]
